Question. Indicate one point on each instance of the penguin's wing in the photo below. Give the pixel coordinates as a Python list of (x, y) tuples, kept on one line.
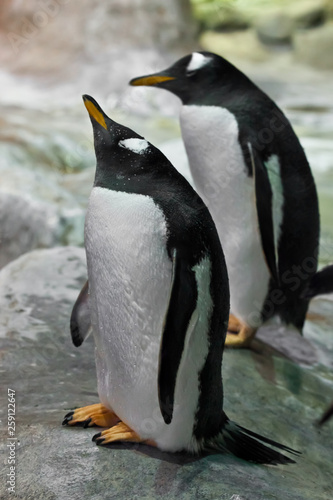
[(182, 304), (264, 204), (320, 283), (80, 323)]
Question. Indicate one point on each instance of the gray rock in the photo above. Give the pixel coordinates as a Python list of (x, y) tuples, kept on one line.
[(307, 14), (290, 343), (219, 16), (37, 209), (35, 288), (315, 47), (25, 224), (264, 391), (274, 28)]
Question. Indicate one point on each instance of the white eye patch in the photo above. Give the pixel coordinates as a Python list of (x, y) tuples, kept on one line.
[(197, 61), (138, 146)]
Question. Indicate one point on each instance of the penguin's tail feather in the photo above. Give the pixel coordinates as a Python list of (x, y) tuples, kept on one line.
[(249, 446), (320, 283)]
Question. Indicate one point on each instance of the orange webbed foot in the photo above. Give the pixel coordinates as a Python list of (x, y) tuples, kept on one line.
[(89, 416)]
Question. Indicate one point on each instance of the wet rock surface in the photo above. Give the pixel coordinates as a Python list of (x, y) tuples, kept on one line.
[(266, 390)]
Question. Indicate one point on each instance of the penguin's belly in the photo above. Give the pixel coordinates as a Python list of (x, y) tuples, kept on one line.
[(210, 134), (129, 280)]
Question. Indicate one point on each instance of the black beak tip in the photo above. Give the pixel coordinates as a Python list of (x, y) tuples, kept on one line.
[(87, 97)]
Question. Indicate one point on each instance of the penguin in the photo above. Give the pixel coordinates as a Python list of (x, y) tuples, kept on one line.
[(158, 300), (251, 171)]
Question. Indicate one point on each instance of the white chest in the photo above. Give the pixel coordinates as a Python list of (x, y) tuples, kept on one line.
[(211, 139), (129, 274)]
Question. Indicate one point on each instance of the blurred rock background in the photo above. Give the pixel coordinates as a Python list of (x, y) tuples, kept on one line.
[(52, 52), (304, 27)]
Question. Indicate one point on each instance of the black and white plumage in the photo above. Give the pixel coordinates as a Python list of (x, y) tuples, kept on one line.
[(159, 302), (251, 171)]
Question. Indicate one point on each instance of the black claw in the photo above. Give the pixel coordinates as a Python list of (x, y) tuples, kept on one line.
[(69, 414), (67, 419), (100, 441), (96, 436), (86, 423)]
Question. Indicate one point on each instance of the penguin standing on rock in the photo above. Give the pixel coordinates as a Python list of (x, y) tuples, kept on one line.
[(158, 299), (251, 171)]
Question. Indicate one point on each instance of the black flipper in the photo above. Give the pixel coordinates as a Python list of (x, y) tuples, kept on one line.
[(250, 446), (320, 283), (264, 200), (80, 323), (182, 303)]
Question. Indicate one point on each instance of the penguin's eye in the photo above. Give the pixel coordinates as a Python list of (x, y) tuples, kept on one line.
[(190, 73)]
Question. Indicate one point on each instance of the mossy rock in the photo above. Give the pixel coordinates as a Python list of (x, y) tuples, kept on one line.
[(217, 15)]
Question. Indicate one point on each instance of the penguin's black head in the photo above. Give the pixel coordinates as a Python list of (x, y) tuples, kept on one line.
[(125, 160), (194, 77), (110, 137)]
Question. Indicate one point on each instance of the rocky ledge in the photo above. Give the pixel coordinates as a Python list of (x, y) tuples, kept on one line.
[(265, 390)]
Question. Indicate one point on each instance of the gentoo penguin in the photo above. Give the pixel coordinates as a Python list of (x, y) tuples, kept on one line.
[(250, 170), (158, 298)]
